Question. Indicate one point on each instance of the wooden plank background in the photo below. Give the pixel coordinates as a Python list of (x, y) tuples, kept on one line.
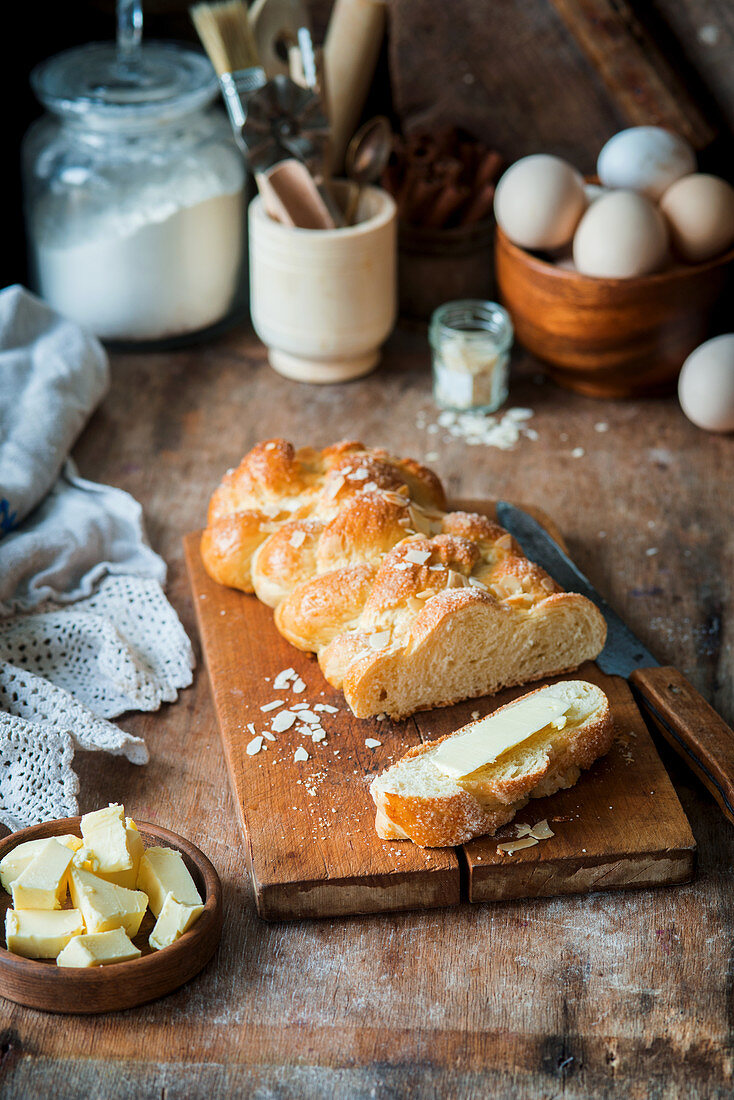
[(607, 995)]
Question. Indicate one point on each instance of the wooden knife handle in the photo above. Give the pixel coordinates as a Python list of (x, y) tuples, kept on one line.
[(692, 727)]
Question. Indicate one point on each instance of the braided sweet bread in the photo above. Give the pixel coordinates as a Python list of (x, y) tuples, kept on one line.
[(406, 605)]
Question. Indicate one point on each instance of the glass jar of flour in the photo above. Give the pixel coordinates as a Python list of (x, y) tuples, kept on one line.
[(134, 194)]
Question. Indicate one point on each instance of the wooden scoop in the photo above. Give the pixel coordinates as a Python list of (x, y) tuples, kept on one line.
[(291, 196)]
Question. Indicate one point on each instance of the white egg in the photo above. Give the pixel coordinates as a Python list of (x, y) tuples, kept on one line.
[(700, 213), (706, 385), (539, 201), (622, 235), (647, 159)]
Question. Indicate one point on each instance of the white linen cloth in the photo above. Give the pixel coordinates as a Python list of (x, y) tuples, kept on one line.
[(86, 632)]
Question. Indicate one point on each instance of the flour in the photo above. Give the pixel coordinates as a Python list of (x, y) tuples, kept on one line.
[(145, 267)]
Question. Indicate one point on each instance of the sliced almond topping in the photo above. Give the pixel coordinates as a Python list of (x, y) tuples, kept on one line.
[(370, 486), (418, 557), (379, 640), (542, 831), (504, 542), (511, 846), (547, 584), (359, 475), (297, 539), (476, 583), (426, 594), (335, 487), (394, 498)]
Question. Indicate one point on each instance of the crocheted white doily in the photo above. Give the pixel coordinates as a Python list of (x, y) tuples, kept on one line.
[(64, 670)]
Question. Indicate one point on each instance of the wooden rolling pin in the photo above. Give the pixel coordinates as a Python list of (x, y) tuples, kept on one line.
[(351, 49), (639, 78)]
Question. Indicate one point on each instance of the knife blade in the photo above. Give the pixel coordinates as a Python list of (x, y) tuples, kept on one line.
[(623, 652), (689, 724)]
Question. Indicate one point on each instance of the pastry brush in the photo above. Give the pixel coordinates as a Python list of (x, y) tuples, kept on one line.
[(226, 35)]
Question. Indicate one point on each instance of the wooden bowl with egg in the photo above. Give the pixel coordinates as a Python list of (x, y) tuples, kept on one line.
[(609, 337)]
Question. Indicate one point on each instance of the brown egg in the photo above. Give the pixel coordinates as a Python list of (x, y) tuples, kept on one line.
[(621, 236), (700, 213), (539, 201)]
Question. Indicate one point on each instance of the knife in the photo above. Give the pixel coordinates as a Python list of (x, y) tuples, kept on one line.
[(690, 725)]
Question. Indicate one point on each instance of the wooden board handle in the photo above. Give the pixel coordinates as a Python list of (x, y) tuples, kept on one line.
[(639, 78), (692, 727)]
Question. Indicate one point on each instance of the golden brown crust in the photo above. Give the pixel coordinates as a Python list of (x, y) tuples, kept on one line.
[(448, 821), (380, 568)]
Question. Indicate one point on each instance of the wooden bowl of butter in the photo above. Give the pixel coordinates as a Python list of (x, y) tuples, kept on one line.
[(108, 916)]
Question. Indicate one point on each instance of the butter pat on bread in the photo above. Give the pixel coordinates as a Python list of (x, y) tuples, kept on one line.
[(446, 792)]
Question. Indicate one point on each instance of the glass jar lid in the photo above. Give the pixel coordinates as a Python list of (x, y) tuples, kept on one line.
[(97, 85)]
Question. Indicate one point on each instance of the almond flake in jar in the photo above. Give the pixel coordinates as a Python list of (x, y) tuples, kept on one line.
[(471, 341)]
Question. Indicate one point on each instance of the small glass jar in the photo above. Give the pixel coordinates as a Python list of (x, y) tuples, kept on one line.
[(134, 194), (471, 343)]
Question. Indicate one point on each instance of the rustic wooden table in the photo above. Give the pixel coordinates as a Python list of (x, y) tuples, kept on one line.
[(610, 994)]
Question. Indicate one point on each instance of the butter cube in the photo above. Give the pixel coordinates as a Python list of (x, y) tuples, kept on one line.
[(16, 861), (163, 872), (41, 933), (173, 920), (43, 883), (104, 905), (135, 847), (98, 949), (104, 833), (85, 859)]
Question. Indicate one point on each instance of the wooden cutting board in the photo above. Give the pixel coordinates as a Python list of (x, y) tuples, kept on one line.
[(308, 826)]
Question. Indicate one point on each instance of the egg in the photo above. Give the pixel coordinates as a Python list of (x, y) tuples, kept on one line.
[(646, 159), (539, 201), (700, 213), (621, 235), (706, 385)]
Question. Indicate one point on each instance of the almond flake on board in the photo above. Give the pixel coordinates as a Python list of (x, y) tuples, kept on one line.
[(327, 707), (300, 754), (542, 830), (523, 829), (299, 685), (267, 734), (372, 742), (272, 706), (283, 721), (254, 746), (512, 846), (283, 679)]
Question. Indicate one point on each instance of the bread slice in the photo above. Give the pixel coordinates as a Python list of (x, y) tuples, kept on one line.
[(416, 800)]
